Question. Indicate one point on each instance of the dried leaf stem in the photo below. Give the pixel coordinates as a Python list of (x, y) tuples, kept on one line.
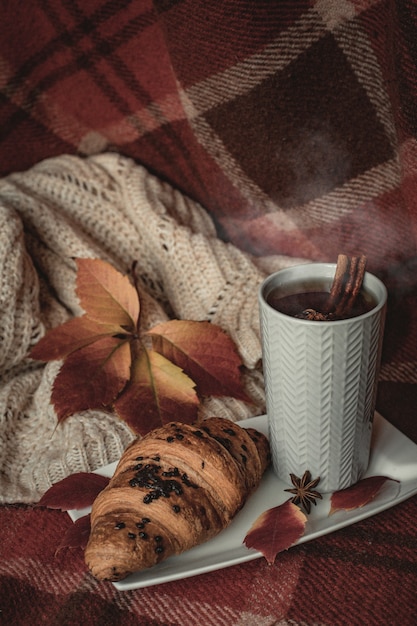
[(345, 289)]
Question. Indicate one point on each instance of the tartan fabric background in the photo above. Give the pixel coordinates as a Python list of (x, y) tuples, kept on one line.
[(282, 119), (294, 124), (365, 574)]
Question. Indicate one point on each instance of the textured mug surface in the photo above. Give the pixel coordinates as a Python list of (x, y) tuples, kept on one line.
[(320, 382)]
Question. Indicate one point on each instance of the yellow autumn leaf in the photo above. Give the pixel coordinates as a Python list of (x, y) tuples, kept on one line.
[(157, 393), (205, 352), (106, 295)]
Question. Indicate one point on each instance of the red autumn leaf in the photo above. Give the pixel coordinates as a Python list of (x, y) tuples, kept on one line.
[(77, 534), (205, 352), (158, 392), (97, 350), (91, 377), (106, 295), (76, 491), (277, 529), (358, 494), (78, 332)]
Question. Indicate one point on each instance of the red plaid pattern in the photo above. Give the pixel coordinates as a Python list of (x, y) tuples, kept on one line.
[(281, 120), (365, 574), (294, 124)]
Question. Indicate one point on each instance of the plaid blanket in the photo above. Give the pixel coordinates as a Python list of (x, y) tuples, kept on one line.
[(365, 574), (294, 125)]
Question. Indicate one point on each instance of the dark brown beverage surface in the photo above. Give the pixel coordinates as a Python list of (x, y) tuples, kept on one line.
[(294, 304)]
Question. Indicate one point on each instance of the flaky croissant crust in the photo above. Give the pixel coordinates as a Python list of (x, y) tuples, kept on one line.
[(175, 488)]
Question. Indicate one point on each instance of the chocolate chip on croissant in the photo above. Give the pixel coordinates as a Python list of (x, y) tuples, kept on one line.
[(173, 489)]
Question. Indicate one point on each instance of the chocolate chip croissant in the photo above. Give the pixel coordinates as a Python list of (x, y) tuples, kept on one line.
[(173, 489)]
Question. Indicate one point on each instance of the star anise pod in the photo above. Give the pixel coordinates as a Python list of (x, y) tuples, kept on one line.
[(304, 492)]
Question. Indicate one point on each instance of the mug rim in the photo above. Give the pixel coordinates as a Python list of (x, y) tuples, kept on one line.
[(371, 283)]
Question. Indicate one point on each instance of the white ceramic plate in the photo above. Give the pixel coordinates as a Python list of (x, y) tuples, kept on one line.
[(392, 455)]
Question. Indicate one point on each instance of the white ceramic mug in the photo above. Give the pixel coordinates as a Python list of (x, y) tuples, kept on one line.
[(320, 381)]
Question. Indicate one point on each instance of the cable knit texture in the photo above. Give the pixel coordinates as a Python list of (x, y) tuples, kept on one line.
[(103, 207)]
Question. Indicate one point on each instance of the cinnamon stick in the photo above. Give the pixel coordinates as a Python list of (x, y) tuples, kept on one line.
[(345, 289), (346, 286)]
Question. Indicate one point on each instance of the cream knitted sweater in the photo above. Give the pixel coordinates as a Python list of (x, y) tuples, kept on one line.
[(104, 207)]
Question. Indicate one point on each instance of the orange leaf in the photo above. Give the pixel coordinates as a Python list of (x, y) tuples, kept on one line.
[(158, 392), (358, 494), (91, 377), (205, 352), (70, 336), (106, 295), (277, 529)]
